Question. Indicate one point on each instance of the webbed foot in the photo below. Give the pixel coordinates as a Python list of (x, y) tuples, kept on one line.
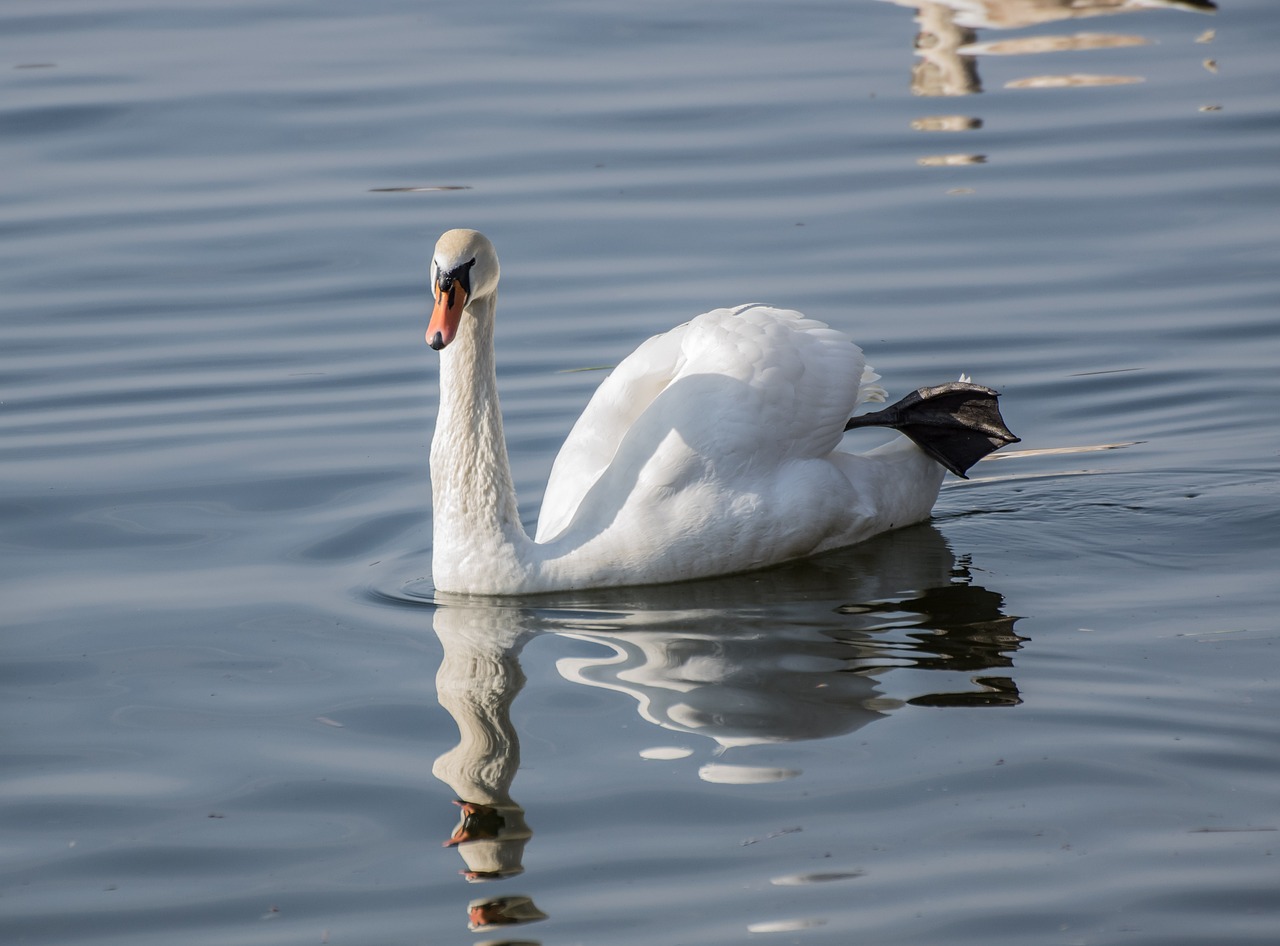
[(957, 423)]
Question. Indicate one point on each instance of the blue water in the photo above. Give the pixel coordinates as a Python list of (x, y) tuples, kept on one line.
[(234, 710)]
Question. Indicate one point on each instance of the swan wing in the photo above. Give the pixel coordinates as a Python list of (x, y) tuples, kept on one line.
[(622, 397), (727, 397)]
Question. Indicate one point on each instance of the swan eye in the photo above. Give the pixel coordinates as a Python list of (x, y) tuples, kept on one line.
[(459, 274)]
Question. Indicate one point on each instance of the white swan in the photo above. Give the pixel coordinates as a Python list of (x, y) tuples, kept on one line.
[(713, 448)]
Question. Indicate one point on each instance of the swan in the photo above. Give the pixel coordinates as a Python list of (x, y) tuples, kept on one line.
[(711, 449)]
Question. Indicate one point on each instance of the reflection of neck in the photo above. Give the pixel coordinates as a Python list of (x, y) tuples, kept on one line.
[(477, 532), (942, 70), (478, 680)]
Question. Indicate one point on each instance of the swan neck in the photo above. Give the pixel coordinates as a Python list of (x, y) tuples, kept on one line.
[(478, 544)]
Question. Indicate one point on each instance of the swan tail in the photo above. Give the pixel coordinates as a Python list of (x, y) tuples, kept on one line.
[(957, 423)]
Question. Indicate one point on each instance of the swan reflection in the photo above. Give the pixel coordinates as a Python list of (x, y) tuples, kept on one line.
[(478, 679), (947, 49), (796, 653), (742, 675)]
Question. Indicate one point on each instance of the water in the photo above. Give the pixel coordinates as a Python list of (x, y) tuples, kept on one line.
[(234, 711)]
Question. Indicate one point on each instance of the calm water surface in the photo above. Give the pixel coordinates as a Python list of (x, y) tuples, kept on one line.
[(234, 709)]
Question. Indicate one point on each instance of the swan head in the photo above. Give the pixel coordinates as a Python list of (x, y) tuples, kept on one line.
[(463, 268)]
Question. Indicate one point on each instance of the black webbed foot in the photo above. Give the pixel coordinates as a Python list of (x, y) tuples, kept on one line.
[(956, 424)]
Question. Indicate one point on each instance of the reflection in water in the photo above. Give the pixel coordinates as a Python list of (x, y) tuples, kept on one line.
[(946, 123), (1026, 45), (941, 69), (478, 679), (1017, 14), (1074, 81), (742, 675), (496, 912), (795, 653), (947, 49)]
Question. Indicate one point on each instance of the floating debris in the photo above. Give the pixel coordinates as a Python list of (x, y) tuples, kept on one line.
[(419, 190), (1210, 108), (783, 832), (1090, 374), (787, 926), (1207, 36), (825, 877), (1211, 65), (1229, 830)]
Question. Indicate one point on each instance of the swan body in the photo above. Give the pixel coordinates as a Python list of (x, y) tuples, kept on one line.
[(713, 448)]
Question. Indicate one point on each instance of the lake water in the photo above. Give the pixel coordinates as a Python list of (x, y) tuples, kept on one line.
[(234, 711)]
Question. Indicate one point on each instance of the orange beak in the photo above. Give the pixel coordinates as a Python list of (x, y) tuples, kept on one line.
[(446, 315)]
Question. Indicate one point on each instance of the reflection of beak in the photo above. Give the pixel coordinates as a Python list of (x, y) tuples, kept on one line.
[(479, 822), (502, 911), (446, 315)]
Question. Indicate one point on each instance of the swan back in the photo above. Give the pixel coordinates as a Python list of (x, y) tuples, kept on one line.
[(730, 392)]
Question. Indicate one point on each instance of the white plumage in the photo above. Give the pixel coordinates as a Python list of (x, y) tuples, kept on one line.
[(713, 448)]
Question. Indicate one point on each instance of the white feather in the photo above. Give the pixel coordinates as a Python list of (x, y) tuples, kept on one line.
[(713, 448)]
